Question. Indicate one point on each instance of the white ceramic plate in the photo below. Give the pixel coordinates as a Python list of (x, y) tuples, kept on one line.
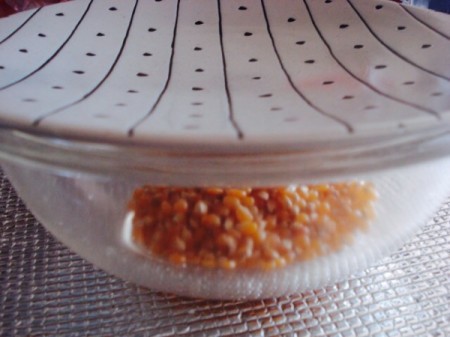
[(230, 73)]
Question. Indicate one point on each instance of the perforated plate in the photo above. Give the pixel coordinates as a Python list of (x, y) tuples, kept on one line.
[(45, 290), (226, 72)]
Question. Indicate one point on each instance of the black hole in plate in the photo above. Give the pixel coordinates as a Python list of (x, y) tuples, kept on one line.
[(242, 8), (358, 46), (191, 127), (300, 42), (197, 89), (265, 95), (291, 119), (309, 61), (248, 34), (151, 30)]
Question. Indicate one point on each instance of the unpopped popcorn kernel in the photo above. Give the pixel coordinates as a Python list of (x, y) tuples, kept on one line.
[(261, 228)]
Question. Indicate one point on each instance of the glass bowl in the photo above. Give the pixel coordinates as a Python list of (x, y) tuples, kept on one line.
[(83, 203)]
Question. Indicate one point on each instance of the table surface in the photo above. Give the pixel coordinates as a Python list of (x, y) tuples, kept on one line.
[(46, 290)]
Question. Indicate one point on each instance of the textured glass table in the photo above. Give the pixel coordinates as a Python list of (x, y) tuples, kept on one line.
[(46, 290)]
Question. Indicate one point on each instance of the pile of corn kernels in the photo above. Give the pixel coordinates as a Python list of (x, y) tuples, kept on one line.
[(260, 228)]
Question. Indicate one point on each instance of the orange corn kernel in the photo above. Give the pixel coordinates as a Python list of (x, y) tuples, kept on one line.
[(261, 228)]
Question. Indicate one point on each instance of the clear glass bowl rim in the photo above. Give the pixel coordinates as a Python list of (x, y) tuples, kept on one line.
[(215, 165)]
